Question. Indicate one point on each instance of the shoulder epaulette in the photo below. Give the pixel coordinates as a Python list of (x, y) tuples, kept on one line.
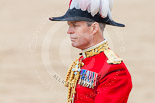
[(112, 57)]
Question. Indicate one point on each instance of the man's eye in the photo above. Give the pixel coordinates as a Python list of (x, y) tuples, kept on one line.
[(76, 25)]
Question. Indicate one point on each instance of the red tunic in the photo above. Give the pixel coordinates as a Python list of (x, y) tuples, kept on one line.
[(113, 85)]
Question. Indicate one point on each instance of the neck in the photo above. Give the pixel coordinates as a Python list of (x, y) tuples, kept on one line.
[(94, 46), (94, 42)]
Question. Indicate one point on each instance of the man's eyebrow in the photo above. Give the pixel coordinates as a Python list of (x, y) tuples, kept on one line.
[(71, 22)]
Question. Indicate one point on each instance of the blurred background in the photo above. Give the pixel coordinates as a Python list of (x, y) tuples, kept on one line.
[(35, 53)]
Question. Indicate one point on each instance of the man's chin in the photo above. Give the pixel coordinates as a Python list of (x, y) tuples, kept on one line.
[(74, 45)]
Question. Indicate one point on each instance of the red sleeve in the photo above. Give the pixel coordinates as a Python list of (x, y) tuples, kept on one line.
[(114, 87)]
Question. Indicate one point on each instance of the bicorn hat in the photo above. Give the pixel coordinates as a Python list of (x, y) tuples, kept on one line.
[(89, 10)]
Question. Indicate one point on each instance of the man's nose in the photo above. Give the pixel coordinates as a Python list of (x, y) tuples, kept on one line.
[(70, 30)]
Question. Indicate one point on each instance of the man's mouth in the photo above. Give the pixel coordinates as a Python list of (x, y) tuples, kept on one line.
[(72, 39)]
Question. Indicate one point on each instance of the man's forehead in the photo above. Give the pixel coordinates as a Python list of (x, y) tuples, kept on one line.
[(73, 22)]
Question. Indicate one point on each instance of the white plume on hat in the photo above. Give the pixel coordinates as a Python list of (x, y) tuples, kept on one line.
[(103, 7)]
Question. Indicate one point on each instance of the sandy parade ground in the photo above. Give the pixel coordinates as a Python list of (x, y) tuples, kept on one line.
[(35, 53)]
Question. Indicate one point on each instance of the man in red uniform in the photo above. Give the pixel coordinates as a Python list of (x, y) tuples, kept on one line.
[(99, 75)]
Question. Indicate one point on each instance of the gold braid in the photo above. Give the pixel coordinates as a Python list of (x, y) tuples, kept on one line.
[(72, 79)]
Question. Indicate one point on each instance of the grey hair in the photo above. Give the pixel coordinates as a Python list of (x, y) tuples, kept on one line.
[(102, 25)]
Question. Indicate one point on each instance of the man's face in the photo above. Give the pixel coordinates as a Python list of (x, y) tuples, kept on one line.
[(80, 34)]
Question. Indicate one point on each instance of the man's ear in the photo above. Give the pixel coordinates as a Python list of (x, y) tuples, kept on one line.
[(95, 27)]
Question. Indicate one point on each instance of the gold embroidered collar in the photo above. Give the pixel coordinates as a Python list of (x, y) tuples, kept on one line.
[(96, 49)]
